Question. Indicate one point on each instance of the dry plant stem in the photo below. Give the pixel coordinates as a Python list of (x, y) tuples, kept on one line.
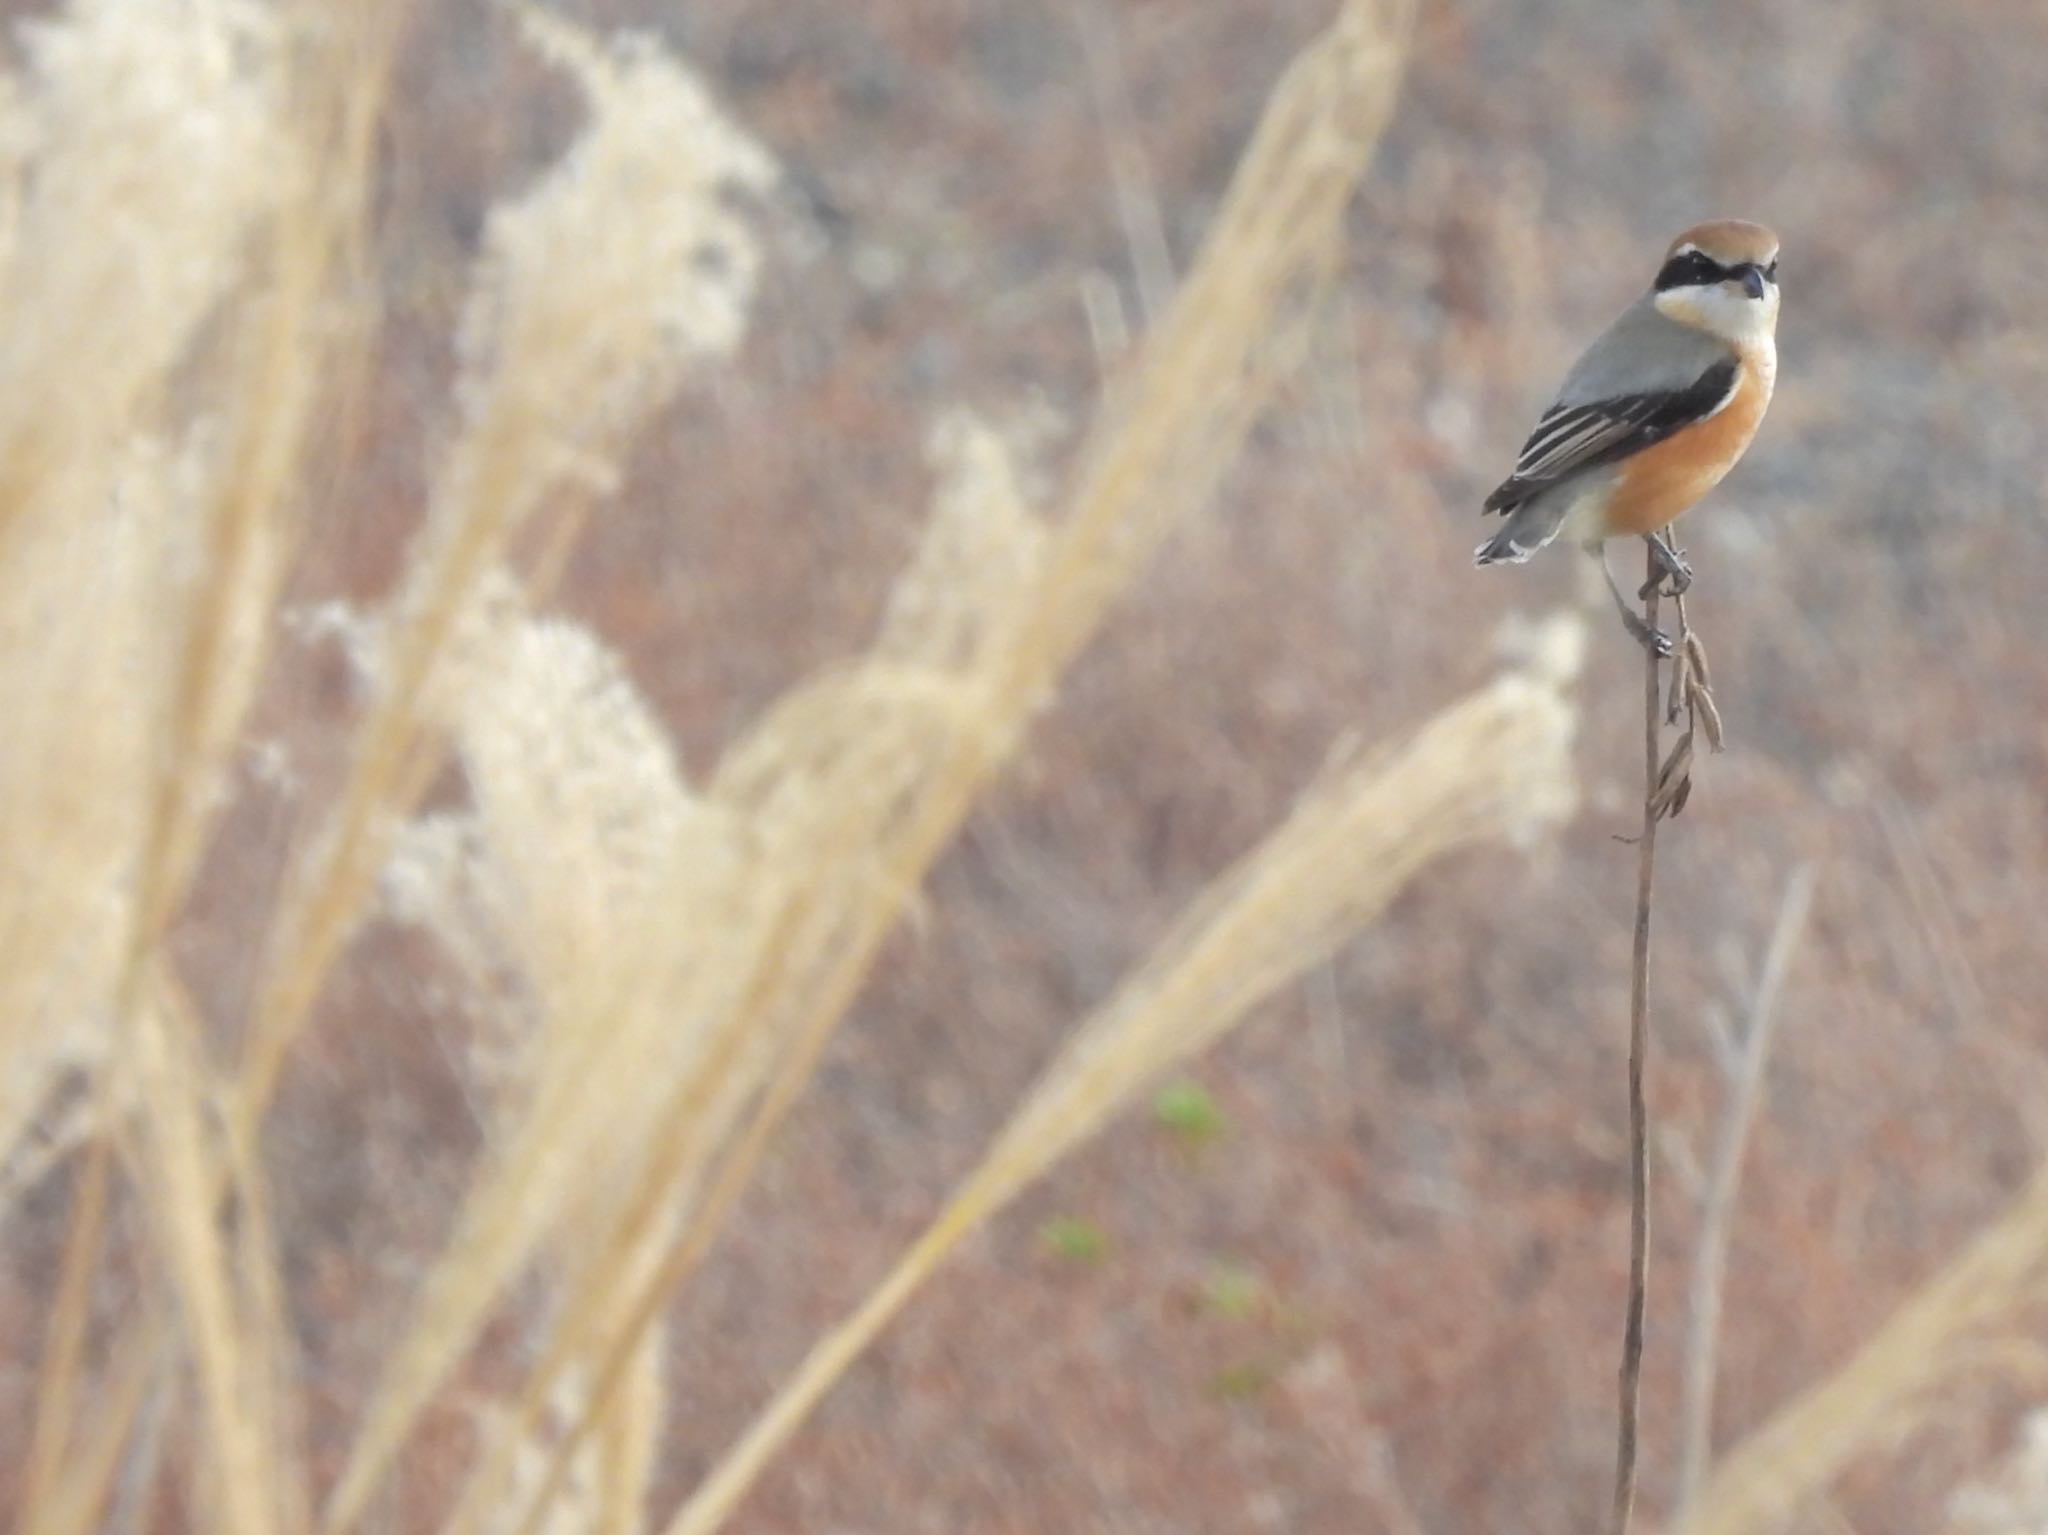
[(1724, 1181), (81, 1500), (1638, 1109), (641, 1307), (392, 763), (564, 375), (255, 1483), (64, 1333), (1283, 909), (288, 349), (307, 240), (1166, 438), (570, 370)]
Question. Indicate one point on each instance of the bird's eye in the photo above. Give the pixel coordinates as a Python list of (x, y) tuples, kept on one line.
[(1771, 271)]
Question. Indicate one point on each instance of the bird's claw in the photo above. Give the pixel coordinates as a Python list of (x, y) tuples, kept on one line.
[(1656, 641), (1671, 566)]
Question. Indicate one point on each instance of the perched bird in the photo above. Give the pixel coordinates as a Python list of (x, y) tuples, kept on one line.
[(1658, 409)]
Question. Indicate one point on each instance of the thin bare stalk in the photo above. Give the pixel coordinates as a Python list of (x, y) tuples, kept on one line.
[(1724, 1183), (1638, 1108)]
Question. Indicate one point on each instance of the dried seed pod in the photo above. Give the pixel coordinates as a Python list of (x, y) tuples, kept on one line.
[(1681, 678), (1709, 716), (1696, 658), (1674, 779)]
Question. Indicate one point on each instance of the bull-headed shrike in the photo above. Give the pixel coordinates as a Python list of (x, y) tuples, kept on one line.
[(1658, 409)]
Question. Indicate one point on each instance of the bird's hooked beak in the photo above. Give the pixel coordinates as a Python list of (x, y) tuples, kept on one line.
[(1753, 280)]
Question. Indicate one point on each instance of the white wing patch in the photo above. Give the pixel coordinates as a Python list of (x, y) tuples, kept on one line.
[(1571, 434)]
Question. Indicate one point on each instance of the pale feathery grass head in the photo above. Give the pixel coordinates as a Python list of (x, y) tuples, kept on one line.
[(1495, 766), (596, 290), (132, 121), (625, 262), (844, 793), (620, 268), (164, 243), (644, 919), (659, 961), (141, 147), (74, 795), (672, 957), (154, 230), (2013, 1498), (176, 197)]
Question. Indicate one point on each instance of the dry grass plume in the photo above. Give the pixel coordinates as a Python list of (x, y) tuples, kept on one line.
[(659, 957)]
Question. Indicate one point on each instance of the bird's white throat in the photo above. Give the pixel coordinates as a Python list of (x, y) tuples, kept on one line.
[(1724, 310)]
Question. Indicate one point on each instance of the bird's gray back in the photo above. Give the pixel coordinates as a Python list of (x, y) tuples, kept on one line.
[(1643, 352)]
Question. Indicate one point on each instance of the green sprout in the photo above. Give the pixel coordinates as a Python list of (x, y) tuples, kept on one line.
[(1187, 1111), (1234, 1292), (1073, 1239)]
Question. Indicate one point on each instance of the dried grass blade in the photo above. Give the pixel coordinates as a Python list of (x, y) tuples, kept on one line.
[(1164, 440), (254, 1484), (79, 1501), (595, 289), (59, 1380), (860, 780), (1885, 1387), (1496, 765)]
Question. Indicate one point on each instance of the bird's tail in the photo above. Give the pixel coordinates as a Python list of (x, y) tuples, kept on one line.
[(1525, 529)]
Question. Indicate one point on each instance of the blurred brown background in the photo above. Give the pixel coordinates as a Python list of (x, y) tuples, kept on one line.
[(1366, 1273)]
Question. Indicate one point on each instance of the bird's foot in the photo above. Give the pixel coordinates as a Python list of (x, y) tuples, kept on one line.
[(1656, 641), (1671, 566)]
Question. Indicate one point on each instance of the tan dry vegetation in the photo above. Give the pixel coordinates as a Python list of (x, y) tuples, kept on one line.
[(666, 962), (640, 937)]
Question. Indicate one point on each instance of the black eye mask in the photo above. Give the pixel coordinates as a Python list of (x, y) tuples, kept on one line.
[(1696, 269)]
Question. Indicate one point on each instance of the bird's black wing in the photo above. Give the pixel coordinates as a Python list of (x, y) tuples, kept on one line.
[(1572, 438)]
